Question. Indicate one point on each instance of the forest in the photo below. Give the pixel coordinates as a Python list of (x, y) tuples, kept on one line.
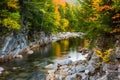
[(25, 23), (98, 16)]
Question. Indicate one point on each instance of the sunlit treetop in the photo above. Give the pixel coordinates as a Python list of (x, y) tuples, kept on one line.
[(59, 2)]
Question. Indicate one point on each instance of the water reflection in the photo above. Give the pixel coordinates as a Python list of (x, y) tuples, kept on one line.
[(34, 63)]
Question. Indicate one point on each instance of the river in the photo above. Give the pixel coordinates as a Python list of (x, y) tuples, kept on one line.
[(32, 66)]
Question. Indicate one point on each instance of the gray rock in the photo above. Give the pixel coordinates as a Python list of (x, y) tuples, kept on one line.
[(104, 66), (64, 67), (109, 67), (117, 52), (90, 68), (1, 70), (86, 71), (64, 62), (112, 66), (30, 52), (80, 68), (60, 77), (51, 71), (64, 72), (49, 66), (103, 78), (73, 70), (84, 77), (74, 77)]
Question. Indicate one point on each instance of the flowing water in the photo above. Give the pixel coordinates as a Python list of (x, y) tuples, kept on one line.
[(32, 66)]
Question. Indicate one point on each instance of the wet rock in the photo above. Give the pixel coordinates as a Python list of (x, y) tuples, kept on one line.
[(117, 52), (64, 62), (64, 72), (83, 50), (51, 71), (49, 66), (90, 68), (109, 67), (89, 56), (30, 52), (51, 75), (80, 68), (112, 76), (64, 67), (18, 56), (74, 77), (60, 78), (112, 66), (65, 35), (103, 78), (78, 76), (84, 76), (87, 71), (1, 70), (73, 70)]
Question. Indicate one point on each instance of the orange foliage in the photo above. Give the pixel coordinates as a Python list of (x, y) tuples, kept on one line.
[(101, 8), (115, 30), (59, 2), (92, 18), (116, 16)]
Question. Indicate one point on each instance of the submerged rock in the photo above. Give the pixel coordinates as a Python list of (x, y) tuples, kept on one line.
[(49, 66), (36, 75), (30, 52), (18, 56)]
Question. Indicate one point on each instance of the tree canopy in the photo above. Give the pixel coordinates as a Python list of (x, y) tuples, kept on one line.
[(89, 16)]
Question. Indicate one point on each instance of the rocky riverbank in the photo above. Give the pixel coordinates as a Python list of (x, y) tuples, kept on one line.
[(12, 48), (66, 35), (55, 37), (90, 69)]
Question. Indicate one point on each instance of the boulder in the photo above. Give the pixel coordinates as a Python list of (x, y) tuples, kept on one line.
[(49, 66), (117, 52), (30, 52), (103, 78), (74, 77), (80, 68), (90, 68), (1, 70), (51, 75), (64, 62), (84, 76)]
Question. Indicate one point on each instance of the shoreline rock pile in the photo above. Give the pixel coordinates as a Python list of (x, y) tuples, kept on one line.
[(66, 35), (89, 69)]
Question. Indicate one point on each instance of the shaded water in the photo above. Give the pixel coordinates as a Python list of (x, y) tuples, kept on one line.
[(31, 67)]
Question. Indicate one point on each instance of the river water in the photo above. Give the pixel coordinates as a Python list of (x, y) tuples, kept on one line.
[(32, 66)]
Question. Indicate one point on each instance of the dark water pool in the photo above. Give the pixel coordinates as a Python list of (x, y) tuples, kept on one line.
[(31, 67)]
